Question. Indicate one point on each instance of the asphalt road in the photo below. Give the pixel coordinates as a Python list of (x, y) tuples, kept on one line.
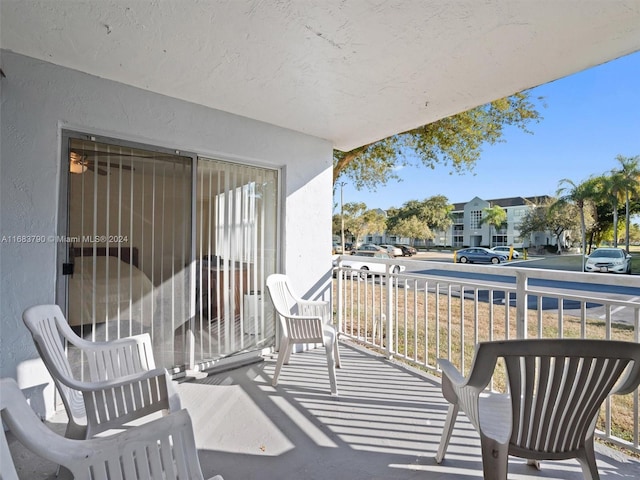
[(619, 292)]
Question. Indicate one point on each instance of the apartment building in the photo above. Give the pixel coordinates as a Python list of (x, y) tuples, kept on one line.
[(468, 230)]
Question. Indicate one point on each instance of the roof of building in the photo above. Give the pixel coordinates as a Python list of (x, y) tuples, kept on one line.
[(507, 202)]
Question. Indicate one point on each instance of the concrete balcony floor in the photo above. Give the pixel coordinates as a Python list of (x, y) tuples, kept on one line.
[(386, 424)]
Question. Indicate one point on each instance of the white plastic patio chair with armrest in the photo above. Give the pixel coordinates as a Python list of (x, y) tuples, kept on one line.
[(556, 390), (302, 322), (123, 382), (162, 449)]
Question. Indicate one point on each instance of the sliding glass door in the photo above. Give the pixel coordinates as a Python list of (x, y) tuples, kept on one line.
[(235, 250), (167, 243)]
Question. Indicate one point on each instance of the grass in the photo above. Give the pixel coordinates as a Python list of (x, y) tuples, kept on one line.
[(430, 325)]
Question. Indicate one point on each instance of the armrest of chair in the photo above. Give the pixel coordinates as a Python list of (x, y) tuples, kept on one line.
[(141, 338), (112, 403), (452, 381), (136, 350), (89, 386)]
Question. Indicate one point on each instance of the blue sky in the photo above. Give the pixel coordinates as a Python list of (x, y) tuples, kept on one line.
[(590, 118)]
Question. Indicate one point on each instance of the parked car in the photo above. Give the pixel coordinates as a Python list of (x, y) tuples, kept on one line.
[(407, 250), (368, 247), (480, 255), (336, 249), (505, 250), (393, 250), (608, 260), (361, 264)]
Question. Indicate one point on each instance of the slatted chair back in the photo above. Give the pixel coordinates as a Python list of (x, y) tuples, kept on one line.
[(163, 449), (119, 384), (49, 330), (289, 306), (556, 390)]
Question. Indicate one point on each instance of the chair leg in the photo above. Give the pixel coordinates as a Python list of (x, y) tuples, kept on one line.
[(495, 459), (588, 462), (331, 363), (284, 347), (287, 353), (337, 353), (534, 463), (452, 414)]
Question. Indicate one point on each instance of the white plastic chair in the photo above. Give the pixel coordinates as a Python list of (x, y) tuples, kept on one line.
[(302, 322), (162, 449), (556, 390), (123, 383)]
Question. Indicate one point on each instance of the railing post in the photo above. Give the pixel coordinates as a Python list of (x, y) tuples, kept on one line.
[(389, 314), (522, 284), (339, 299)]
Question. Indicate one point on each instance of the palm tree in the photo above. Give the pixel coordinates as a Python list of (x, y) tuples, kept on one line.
[(614, 186), (630, 170), (495, 217), (579, 195)]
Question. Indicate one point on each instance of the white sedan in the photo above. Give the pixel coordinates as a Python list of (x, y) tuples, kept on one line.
[(506, 250), (611, 260), (362, 265), (393, 250)]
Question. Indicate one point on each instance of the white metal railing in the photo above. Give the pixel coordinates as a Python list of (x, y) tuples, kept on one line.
[(442, 310)]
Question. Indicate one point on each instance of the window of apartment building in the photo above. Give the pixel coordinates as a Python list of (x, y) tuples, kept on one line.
[(475, 218), (497, 240)]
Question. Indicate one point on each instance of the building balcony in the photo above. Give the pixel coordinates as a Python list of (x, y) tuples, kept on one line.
[(388, 419)]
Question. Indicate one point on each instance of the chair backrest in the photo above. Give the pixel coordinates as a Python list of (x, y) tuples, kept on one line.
[(558, 386), (289, 306), (47, 326), (99, 361), (162, 449), (281, 293)]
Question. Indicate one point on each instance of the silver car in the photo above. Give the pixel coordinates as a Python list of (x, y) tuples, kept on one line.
[(608, 260)]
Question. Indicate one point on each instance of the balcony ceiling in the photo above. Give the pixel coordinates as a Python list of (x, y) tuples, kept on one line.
[(348, 71)]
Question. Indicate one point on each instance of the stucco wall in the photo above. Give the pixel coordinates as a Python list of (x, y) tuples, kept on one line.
[(40, 99)]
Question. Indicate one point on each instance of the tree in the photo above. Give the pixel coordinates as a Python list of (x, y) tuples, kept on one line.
[(630, 171), (411, 228), (431, 214), (535, 220), (495, 217), (612, 189), (546, 217), (359, 221), (581, 195), (562, 220), (455, 141)]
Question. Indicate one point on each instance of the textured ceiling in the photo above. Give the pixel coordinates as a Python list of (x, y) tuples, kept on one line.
[(349, 71)]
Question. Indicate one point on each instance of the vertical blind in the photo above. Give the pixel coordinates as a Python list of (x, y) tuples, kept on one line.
[(235, 231), (130, 236)]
